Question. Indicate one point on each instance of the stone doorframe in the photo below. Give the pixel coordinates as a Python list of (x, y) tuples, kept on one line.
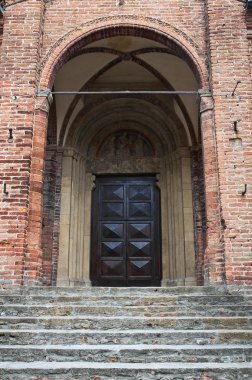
[(174, 181)]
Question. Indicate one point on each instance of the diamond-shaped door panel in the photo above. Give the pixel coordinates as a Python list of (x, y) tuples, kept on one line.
[(139, 230), (112, 192), (112, 249), (140, 210), (139, 249), (112, 230), (112, 268), (139, 268), (113, 210), (139, 192)]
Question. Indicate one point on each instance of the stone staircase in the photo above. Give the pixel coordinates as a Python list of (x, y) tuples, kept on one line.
[(182, 333)]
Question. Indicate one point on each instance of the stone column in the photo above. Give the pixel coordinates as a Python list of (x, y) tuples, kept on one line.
[(165, 228), (65, 215), (179, 214), (189, 249), (81, 224), (177, 196), (71, 265), (170, 222), (89, 186)]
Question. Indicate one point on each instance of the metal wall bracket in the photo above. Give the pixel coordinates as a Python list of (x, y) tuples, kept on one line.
[(234, 90), (5, 189), (46, 92), (245, 189)]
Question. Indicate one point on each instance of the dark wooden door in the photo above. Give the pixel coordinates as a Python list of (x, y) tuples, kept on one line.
[(125, 232)]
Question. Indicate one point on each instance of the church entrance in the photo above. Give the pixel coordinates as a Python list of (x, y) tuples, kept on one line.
[(125, 232), (124, 165)]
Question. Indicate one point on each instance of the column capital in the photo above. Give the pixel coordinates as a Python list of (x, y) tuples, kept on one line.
[(42, 104)]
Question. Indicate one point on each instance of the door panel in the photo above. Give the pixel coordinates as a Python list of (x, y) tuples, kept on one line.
[(139, 231), (139, 249), (112, 249), (112, 210), (125, 232)]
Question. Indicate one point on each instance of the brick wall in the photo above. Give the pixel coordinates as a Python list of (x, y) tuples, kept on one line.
[(1, 30), (230, 62), (19, 65), (36, 40)]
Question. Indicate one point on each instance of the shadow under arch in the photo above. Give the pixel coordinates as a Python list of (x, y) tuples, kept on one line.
[(164, 82), (173, 128)]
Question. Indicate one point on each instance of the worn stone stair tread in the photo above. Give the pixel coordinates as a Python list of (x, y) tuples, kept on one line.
[(118, 347), (123, 307), (108, 322), (125, 322), (122, 317), (124, 332), (217, 289), (152, 336), (132, 296), (150, 366), (127, 311)]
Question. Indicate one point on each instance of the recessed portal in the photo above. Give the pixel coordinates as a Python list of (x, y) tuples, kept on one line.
[(124, 136)]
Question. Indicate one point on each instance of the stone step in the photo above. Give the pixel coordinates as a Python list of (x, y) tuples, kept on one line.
[(122, 371), (122, 322), (125, 333), (135, 353), (141, 291), (125, 300), (126, 310), (150, 336)]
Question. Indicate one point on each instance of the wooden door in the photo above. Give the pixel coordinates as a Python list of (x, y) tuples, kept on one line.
[(125, 232)]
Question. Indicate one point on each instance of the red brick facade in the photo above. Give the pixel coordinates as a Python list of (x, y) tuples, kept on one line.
[(213, 37)]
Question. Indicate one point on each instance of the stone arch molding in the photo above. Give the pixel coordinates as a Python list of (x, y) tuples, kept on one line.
[(71, 43), (173, 173)]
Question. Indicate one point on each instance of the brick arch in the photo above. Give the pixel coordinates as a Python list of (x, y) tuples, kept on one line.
[(71, 44)]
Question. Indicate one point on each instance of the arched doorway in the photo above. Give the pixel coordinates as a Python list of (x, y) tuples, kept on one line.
[(127, 135)]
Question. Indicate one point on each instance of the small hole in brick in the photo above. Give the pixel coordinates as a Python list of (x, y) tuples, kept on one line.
[(120, 2), (236, 143), (10, 134)]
